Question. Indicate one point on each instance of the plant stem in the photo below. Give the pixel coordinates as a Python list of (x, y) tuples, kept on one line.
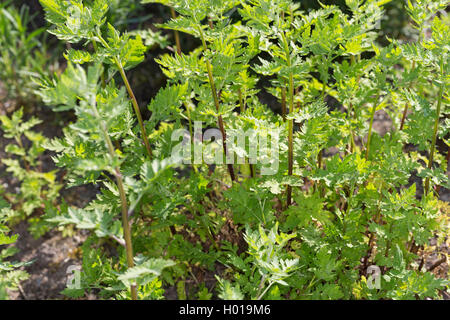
[(352, 115), (191, 132), (320, 155), (352, 134), (241, 101), (136, 107), (372, 115), (261, 283), (177, 34), (123, 201), (290, 160), (291, 121), (216, 103), (242, 107), (188, 111), (134, 102), (265, 291), (436, 126), (405, 111), (19, 142), (126, 229), (283, 103), (377, 220)]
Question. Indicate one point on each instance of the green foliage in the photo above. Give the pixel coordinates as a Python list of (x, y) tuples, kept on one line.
[(10, 273), (38, 189), (342, 198), (23, 55), (145, 271), (76, 21)]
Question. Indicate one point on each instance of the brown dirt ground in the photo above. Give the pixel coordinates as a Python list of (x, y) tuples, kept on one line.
[(51, 255)]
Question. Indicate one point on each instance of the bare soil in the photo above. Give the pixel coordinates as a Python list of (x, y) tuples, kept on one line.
[(52, 255)]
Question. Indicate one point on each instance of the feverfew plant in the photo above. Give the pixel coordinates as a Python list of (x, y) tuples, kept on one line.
[(38, 189), (23, 56), (341, 201)]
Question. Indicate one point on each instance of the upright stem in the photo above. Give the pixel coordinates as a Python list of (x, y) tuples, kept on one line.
[(352, 134), (291, 121), (126, 229), (19, 142), (191, 132), (188, 111), (436, 126), (290, 160), (351, 114), (241, 101), (320, 155), (320, 165), (405, 111), (136, 107), (372, 235), (242, 107), (123, 201), (216, 103), (177, 34), (283, 102), (372, 115), (134, 102)]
